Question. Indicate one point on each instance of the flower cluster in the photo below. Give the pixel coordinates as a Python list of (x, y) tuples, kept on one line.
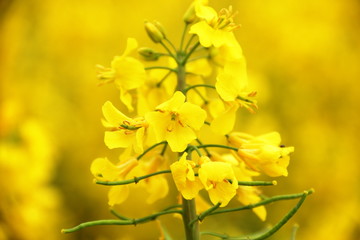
[(182, 99)]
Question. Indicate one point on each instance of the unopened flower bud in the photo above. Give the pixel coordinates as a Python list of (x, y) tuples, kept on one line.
[(155, 31), (189, 15), (148, 54), (160, 27)]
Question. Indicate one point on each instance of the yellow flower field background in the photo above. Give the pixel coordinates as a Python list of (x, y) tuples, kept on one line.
[(303, 58)]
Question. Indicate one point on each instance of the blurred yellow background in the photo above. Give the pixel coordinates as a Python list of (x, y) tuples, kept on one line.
[(303, 59)]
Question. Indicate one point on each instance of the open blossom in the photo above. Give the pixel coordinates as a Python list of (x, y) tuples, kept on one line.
[(244, 194), (213, 29), (263, 153), (122, 131), (156, 186), (184, 177), (231, 85), (127, 72), (176, 121), (219, 180), (104, 170)]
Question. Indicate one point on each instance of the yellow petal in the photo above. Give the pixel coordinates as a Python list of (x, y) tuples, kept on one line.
[(222, 193), (126, 99), (184, 178), (113, 115), (174, 103), (130, 73), (192, 115), (273, 138), (204, 32), (138, 144), (220, 37), (157, 187), (158, 124), (118, 139), (179, 137), (217, 172), (224, 122), (204, 12), (131, 45), (191, 189), (103, 169), (118, 194), (232, 81)]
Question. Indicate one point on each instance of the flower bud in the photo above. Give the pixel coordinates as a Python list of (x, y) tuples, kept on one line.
[(148, 54), (155, 31), (189, 15)]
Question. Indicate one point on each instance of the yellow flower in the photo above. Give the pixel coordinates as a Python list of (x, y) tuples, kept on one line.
[(122, 131), (263, 153), (156, 186), (127, 73), (232, 84), (219, 180), (175, 121), (213, 29), (245, 194), (104, 170), (184, 177)]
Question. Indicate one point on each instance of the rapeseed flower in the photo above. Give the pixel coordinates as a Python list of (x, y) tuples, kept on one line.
[(184, 177), (126, 72), (263, 153), (213, 29), (219, 180), (176, 121), (122, 131), (104, 170)]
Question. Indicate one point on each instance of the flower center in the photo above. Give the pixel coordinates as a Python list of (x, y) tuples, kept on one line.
[(225, 21)]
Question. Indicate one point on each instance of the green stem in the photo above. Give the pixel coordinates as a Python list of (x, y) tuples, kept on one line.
[(257, 183), (190, 52), (119, 222), (183, 37), (168, 50), (222, 236), (277, 226), (189, 214), (160, 67), (218, 146), (198, 58), (264, 202), (205, 213), (206, 151), (171, 44), (163, 79), (192, 147), (189, 42), (164, 149), (149, 149), (133, 180), (198, 85), (181, 77), (189, 206), (118, 215), (282, 222)]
